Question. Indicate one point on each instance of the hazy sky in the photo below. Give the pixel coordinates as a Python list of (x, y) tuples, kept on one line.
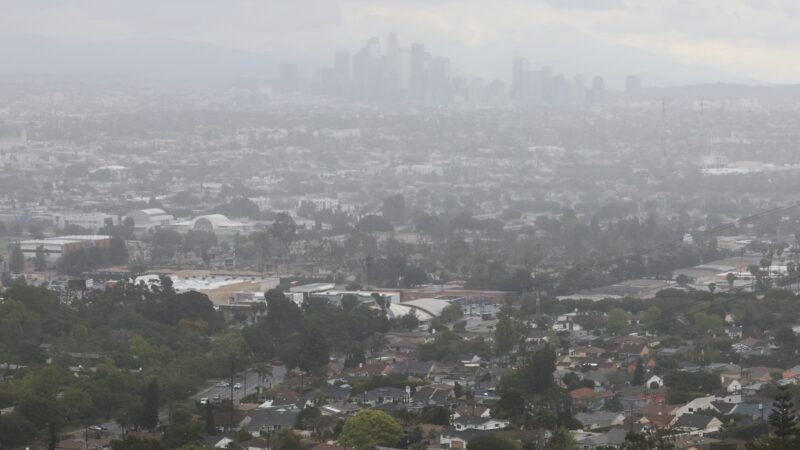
[(662, 40)]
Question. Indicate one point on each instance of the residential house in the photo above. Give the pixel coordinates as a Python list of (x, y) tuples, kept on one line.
[(588, 398), (759, 374), (264, 421), (434, 395), (613, 438), (383, 395), (654, 382), (731, 386), (696, 424), (479, 423), (706, 402), (659, 414), (599, 419), (254, 444), (455, 439), (367, 370), (414, 369), (472, 410), (793, 372)]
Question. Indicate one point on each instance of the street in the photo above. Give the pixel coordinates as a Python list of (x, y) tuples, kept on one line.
[(251, 384)]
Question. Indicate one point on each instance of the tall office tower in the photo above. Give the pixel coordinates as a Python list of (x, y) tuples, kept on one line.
[(288, 79), (598, 91), (341, 71), (633, 84), (404, 68), (367, 71), (373, 47), (390, 73), (559, 89), (417, 71), (392, 45), (578, 91), (598, 84), (520, 79), (439, 80)]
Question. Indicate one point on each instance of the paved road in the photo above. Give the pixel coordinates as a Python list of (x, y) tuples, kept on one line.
[(278, 375), (249, 380)]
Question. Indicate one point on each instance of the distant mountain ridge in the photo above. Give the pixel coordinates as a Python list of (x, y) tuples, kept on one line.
[(149, 58)]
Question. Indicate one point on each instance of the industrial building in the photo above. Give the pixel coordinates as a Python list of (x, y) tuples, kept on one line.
[(56, 247)]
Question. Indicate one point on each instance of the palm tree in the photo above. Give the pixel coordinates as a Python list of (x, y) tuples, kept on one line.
[(731, 277), (712, 287), (263, 372), (755, 271)]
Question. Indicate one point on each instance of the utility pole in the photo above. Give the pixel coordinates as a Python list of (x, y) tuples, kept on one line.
[(230, 424)]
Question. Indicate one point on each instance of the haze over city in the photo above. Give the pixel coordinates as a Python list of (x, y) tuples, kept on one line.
[(399, 225), (666, 42)]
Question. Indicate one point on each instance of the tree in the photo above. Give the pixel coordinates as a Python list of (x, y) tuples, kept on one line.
[(287, 440), (562, 440), (638, 374), (374, 224), (657, 439), (451, 313), (394, 208), (783, 420), (15, 430), (506, 335), (211, 426), (369, 428), (438, 415), (617, 321), (731, 278), (149, 419), (712, 287), (16, 263), (40, 260), (134, 443), (414, 276), (490, 442), (682, 279), (409, 321), (652, 319), (283, 228), (117, 251)]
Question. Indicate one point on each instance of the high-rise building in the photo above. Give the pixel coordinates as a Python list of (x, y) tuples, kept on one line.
[(367, 71), (598, 84), (520, 79), (439, 80), (598, 92), (417, 71), (404, 68)]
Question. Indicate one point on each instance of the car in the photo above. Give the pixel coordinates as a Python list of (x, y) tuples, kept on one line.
[(96, 427), (237, 386), (222, 384), (204, 401)]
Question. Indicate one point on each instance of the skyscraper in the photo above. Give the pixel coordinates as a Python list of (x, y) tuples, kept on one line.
[(520, 79), (417, 71)]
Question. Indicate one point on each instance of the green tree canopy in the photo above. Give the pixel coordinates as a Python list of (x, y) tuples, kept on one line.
[(369, 428), (491, 442)]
